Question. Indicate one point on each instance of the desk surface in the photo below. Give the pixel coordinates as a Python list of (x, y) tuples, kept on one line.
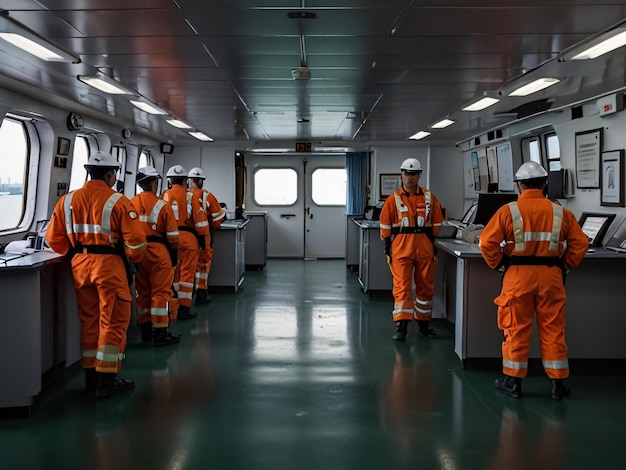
[(462, 249), (11, 261), (234, 224)]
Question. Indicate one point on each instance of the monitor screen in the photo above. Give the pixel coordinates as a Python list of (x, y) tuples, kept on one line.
[(488, 205), (595, 226)]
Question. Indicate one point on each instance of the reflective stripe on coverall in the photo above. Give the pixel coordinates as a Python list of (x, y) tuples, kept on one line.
[(95, 217), (155, 275), (192, 221), (216, 215), (533, 227), (413, 258)]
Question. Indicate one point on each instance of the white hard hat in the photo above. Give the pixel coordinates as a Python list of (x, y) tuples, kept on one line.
[(411, 164), (529, 171), (177, 171), (147, 172), (100, 159), (196, 173)]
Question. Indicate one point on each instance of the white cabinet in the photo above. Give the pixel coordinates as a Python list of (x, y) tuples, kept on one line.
[(228, 266)]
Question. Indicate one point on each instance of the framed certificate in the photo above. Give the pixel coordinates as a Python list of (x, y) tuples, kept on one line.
[(389, 183)]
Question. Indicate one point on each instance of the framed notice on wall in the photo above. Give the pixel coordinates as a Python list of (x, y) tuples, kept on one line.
[(612, 178), (389, 183), (588, 146)]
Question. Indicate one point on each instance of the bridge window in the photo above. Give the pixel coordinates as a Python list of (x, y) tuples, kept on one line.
[(328, 186), (79, 158), (553, 152), (13, 173), (276, 187)]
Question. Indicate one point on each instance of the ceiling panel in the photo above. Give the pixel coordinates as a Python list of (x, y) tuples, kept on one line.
[(384, 68)]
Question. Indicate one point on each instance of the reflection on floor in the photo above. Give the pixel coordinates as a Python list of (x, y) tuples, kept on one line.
[(298, 371)]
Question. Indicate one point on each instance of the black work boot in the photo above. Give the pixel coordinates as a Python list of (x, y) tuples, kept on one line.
[(185, 313), (559, 389), (424, 330), (146, 332), (202, 297), (512, 386), (401, 329), (111, 384), (91, 379), (162, 337)]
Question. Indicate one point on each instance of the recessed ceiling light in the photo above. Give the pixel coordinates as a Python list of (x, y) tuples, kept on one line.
[(481, 104), (534, 86)]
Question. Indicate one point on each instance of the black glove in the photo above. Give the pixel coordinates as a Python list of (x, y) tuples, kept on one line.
[(202, 243), (504, 263), (173, 256), (388, 250)]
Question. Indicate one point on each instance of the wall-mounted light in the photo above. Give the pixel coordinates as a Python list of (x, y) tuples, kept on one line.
[(534, 86), (29, 41), (597, 46), (442, 124), (481, 104), (419, 135), (106, 84), (178, 123), (148, 107), (201, 136)]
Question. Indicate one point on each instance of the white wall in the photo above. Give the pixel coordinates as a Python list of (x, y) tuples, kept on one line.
[(218, 163)]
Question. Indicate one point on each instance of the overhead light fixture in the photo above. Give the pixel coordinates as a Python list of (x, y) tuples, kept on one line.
[(597, 46), (106, 84), (31, 42), (178, 123), (419, 135), (534, 86), (201, 136), (148, 107), (481, 104), (442, 124)]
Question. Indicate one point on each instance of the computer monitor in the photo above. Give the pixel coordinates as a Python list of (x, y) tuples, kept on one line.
[(488, 205), (595, 226)]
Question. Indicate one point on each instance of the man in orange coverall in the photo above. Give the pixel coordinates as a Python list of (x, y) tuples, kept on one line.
[(101, 228), (216, 216), (192, 226), (536, 241), (155, 272), (409, 220)]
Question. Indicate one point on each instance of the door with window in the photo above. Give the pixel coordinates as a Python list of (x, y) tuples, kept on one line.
[(305, 199)]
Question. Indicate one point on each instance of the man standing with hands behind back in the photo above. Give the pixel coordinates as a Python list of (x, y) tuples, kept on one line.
[(101, 228), (542, 240), (409, 220)]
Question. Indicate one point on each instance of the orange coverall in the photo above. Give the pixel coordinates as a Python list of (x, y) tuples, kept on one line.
[(539, 231), (93, 220), (156, 273), (192, 222), (412, 254), (216, 215)]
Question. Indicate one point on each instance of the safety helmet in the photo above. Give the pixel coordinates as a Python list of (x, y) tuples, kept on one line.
[(196, 173), (100, 159), (147, 172), (529, 171), (411, 164), (177, 171)]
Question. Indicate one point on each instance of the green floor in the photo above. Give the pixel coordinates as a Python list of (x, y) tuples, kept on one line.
[(298, 371)]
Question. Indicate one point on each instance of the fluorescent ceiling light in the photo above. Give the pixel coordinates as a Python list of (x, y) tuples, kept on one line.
[(148, 107), (443, 123), (178, 123), (31, 42), (201, 136), (106, 84), (481, 104), (419, 135), (534, 86), (598, 46)]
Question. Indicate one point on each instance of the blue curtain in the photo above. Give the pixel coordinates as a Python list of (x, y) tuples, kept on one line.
[(356, 168)]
